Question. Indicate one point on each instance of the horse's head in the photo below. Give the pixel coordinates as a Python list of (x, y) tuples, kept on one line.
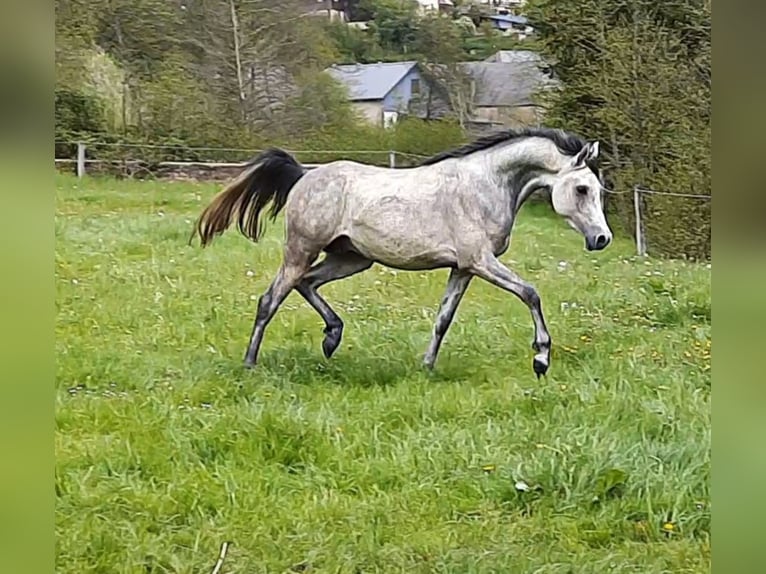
[(576, 196)]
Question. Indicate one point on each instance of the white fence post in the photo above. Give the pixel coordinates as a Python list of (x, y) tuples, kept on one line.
[(640, 245), (80, 159), (392, 159)]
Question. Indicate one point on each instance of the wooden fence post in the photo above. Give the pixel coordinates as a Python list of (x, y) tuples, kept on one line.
[(392, 159), (640, 245), (80, 159)]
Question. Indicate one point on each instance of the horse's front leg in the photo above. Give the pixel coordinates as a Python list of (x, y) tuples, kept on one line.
[(491, 270)]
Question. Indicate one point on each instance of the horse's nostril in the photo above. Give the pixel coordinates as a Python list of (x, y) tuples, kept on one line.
[(601, 241)]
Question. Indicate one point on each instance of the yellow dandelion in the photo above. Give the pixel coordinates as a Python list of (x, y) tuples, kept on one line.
[(489, 468), (563, 387), (669, 527)]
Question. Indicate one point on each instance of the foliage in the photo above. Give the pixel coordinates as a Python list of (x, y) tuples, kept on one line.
[(439, 39), (355, 45), (489, 41), (394, 22), (636, 75), (166, 447), (75, 114), (320, 106), (233, 74)]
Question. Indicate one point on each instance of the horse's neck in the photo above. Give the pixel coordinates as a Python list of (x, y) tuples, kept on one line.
[(537, 151), (520, 167)]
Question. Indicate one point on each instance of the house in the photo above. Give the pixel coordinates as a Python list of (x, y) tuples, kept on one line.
[(505, 88), (502, 91), (510, 24), (435, 5), (502, 6), (384, 91), (332, 9)]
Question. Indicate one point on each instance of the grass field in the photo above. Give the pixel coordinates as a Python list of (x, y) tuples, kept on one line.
[(166, 447)]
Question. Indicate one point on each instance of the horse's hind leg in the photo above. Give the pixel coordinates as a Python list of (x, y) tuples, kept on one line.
[(333, 267), (456, 287), (288, 276)]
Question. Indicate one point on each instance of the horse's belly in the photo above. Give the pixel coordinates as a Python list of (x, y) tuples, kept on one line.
[(398, 234)]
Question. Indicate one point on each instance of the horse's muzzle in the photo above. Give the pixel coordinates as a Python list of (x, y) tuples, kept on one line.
[(597, 242)]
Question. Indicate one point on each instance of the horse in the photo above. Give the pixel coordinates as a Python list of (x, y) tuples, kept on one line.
[(454, 210)]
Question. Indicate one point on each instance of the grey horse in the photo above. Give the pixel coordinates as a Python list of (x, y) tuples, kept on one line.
[(454, 210)]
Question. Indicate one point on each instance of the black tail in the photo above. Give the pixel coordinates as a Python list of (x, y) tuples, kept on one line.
[(268, 177)]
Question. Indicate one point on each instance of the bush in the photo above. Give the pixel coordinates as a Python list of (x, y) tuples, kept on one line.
[(77, 115)]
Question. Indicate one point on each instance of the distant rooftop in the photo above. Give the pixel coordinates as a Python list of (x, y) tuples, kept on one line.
[(509, 78), (515, 57), (370, 81), (510, 18)]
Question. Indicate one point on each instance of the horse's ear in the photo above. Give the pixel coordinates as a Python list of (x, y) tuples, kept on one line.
[(589, 152)]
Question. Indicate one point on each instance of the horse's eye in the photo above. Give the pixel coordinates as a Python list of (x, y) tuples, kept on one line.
[(582, 189)]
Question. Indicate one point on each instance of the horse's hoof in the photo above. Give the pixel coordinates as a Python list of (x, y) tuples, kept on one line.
[(540, 367), (331, 341)]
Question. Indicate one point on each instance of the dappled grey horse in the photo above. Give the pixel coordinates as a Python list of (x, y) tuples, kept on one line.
[(454, 210)]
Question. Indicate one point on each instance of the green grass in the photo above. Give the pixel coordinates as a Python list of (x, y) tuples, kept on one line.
[(166, 447)]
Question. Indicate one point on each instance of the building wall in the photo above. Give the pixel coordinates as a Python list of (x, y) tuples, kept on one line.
[(370, 111), (429, 103), (334, 11), (510, 117), (399, 97)]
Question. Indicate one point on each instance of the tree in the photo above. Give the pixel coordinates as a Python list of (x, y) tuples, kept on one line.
[(439, 46), (636, 75), (394, 22)]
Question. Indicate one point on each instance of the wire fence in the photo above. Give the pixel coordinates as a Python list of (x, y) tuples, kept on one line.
[(673, 224), (662, 223)]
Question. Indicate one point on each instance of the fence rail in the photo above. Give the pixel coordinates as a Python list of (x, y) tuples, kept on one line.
[(82, 150), (226, 168)]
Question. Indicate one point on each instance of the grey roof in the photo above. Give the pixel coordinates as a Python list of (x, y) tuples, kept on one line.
[(508, 18), (507, 83), (370, 81), (515, 56)]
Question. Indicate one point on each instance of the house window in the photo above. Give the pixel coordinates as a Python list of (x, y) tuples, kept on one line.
[(415, 85)]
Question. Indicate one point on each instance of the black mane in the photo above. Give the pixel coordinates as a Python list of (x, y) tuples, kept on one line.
[(567, 143)]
